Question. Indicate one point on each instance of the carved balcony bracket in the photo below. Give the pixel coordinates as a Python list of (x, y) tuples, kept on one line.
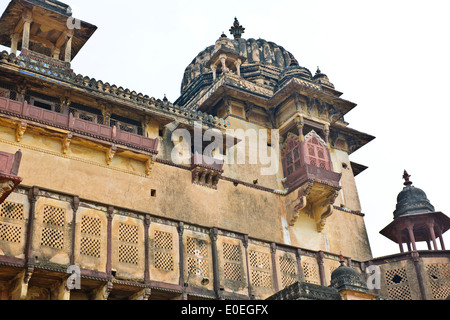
[(20, 130), (206, 171), (110, 153), (316, 201), (102, 293), (66, 143), (18, 287), (205, 177)]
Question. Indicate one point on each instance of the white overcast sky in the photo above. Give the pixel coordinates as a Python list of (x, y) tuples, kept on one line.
[(389, 57)]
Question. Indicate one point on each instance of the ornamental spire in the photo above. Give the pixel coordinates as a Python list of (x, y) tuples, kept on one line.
[(237, 30)]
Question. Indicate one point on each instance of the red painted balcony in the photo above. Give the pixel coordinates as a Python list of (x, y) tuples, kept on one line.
[(9, 169), (68, 122)]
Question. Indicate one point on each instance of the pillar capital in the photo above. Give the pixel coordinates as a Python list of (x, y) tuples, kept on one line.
[(27, 16)]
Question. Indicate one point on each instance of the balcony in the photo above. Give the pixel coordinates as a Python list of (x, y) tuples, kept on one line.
[(9, 169), (308, 171), (68, 122), (312, 173)]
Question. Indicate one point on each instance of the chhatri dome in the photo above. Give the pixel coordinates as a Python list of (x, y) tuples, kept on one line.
[(262, 62), (412, 200)]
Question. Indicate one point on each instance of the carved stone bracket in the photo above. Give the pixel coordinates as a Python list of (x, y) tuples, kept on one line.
[(110, 153), (66, 143), (300, 203), (20, 130), (102, 293), (144, 294), (316, 201), (206, 177)]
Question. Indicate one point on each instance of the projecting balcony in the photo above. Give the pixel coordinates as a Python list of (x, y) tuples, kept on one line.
[(69, 122), (308, 171), (9, 169)]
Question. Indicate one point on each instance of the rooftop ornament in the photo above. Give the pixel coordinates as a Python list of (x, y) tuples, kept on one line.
[(237, 30), (406, 177)]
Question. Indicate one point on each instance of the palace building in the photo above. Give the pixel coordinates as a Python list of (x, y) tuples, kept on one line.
[(92, 192)]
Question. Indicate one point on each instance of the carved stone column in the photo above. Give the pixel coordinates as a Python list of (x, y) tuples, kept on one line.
[(68, 52), (27, 20), (430, 226), (411, 236), (14, 43), (214, 70), (238, 64)]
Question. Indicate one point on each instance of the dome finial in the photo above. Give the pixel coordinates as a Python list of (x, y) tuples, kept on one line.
[(341, 259), (237, 30), (406, 177)]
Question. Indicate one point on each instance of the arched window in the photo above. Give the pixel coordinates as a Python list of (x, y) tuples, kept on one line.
[(316, 151)]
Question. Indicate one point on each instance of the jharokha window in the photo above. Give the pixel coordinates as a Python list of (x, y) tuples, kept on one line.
[(292, 157), (314, 152)]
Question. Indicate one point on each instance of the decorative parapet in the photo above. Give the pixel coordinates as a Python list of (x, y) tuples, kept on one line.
[(55, 73)]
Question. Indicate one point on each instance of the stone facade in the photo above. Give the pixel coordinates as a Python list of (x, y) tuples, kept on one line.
[(98, 189)]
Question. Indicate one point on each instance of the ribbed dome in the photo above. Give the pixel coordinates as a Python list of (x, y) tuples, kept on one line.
[(256, 52), (412, 200), (294, 71)]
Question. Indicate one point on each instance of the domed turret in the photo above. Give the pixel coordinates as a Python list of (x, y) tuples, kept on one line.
[(412, 200), (322, 79), (294, 71), (346, 278)]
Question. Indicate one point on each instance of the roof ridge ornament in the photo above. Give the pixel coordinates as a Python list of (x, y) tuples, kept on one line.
[(237, 30)]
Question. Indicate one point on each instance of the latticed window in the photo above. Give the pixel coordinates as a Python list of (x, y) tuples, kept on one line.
[(439, 277), (10, 233), (311, 272), (90, 236), (197, 255), (54, 220), (292, 160), (128, 248), (12, 211), (163, 251), (316, 152), (397, 284), (232, 261), (288, 270), (260, 270)]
